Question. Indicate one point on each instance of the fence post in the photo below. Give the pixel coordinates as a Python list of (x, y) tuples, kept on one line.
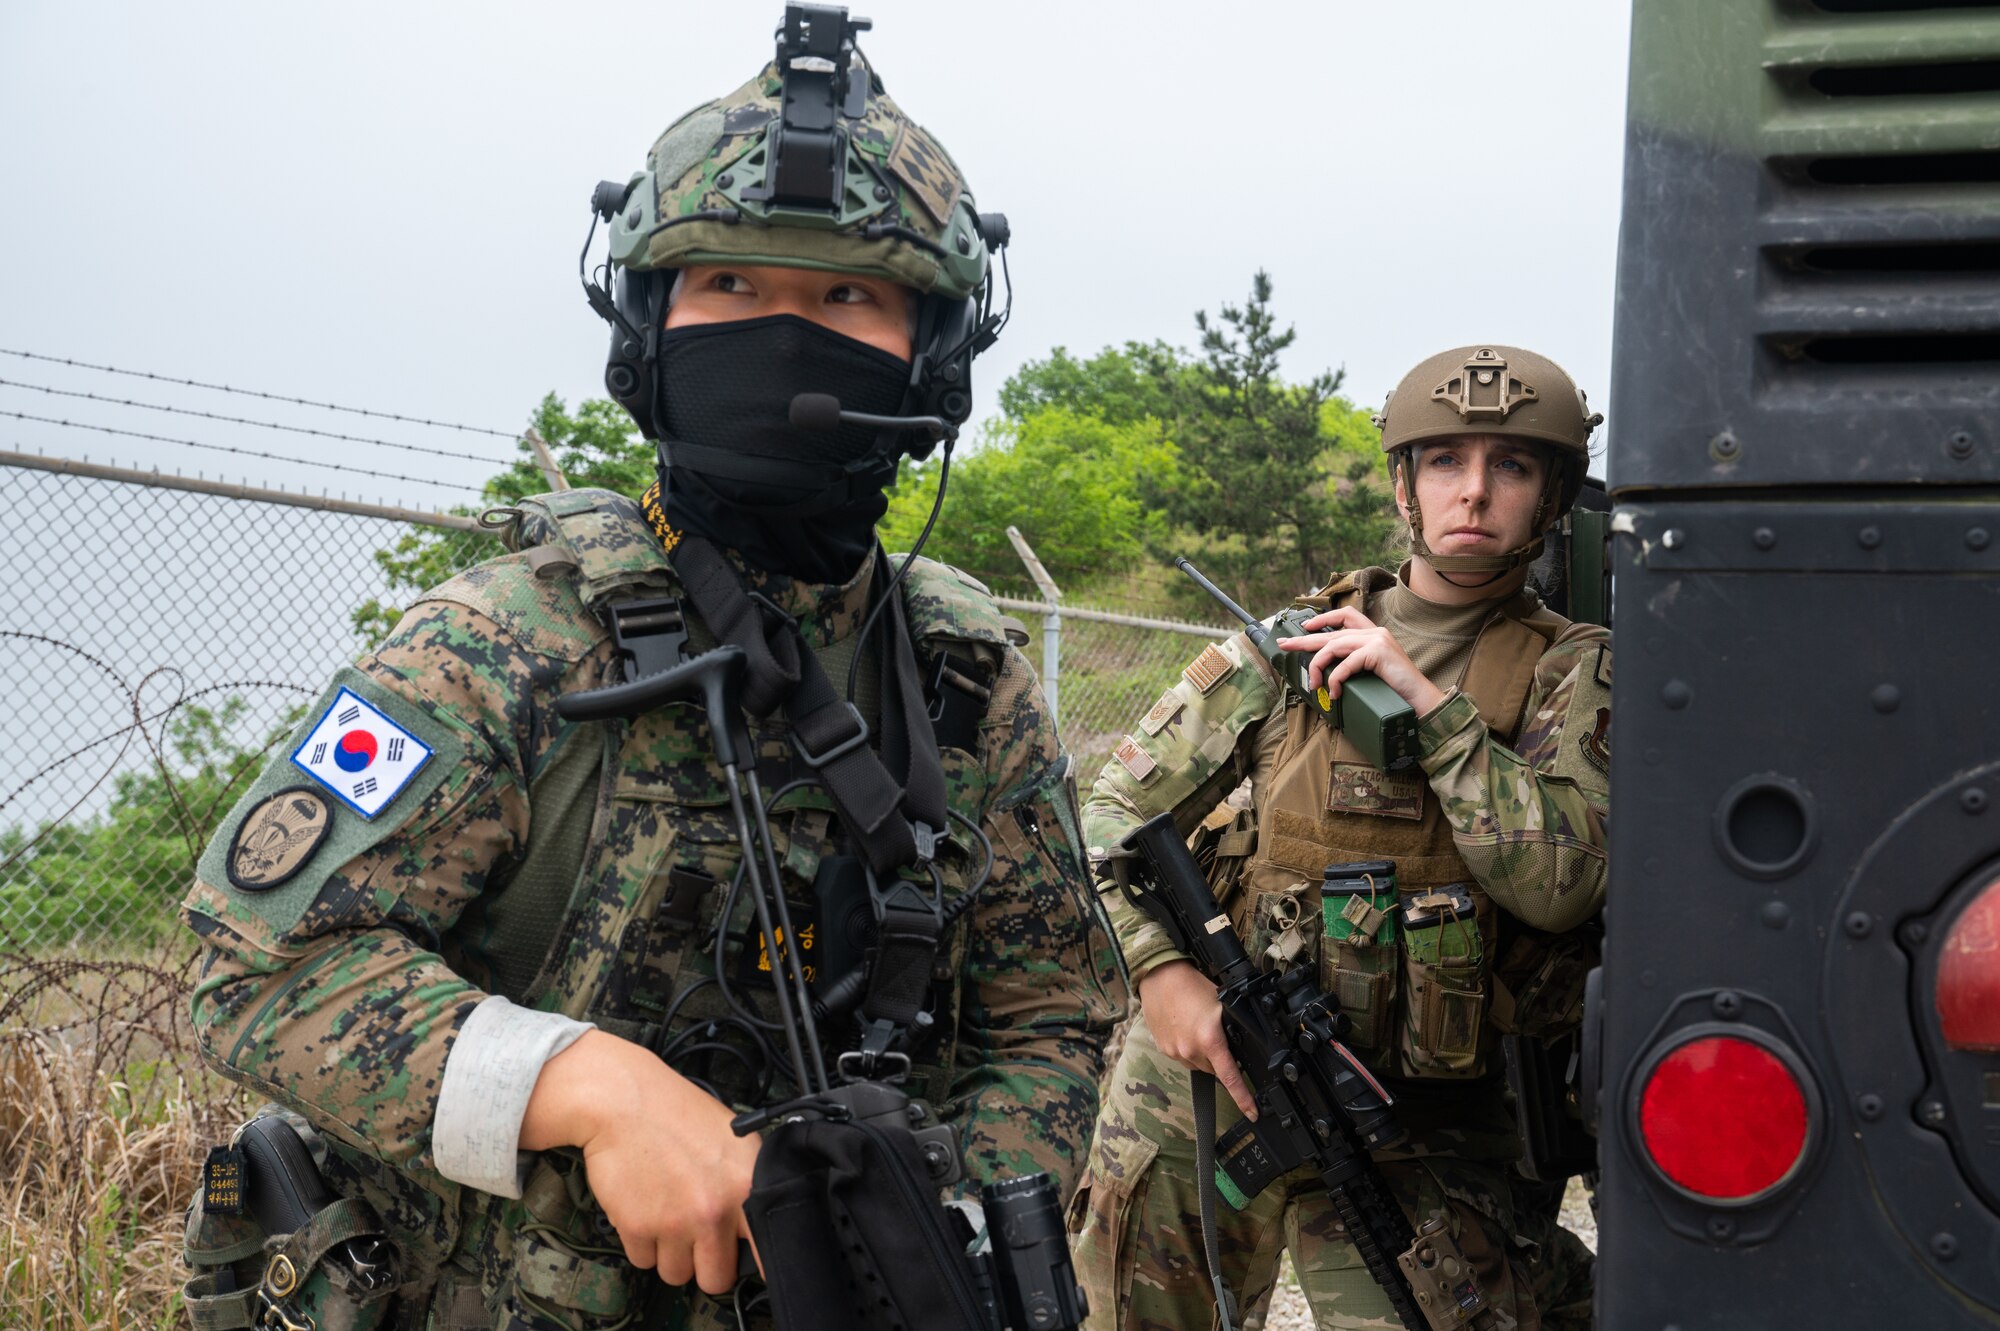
[(1051, 620), (547, 461)]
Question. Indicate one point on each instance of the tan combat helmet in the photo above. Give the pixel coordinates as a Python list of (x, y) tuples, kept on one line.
[(1490, 390)]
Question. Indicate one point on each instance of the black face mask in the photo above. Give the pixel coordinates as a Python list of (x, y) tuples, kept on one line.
[(736, 470)]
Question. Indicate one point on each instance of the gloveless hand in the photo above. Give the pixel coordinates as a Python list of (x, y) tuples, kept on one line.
[(658, 1150), (1185, 1018), (1346, 641)]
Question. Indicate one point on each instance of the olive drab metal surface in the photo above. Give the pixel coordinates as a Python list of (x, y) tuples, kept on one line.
[(1795, 1054)]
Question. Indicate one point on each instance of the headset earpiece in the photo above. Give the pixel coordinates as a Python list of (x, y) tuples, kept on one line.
[(629, 369), (941, 368)]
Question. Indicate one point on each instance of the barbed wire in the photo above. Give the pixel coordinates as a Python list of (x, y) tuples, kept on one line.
[(251, 392), (247, 452), (264, 425)]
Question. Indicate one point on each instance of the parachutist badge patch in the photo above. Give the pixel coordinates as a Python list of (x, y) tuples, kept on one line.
[(277, 838)]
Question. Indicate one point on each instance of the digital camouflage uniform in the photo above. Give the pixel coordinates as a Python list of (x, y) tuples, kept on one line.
[(578, 868), (1512, 795)]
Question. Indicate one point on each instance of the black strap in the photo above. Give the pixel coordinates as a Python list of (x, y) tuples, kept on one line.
[(771, 670), (893, 823), (1204, 1166)]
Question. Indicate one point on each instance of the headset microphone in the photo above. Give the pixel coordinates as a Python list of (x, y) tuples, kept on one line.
[(822, 411)]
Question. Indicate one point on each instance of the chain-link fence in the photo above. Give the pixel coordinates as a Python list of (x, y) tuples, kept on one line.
[(159, 638)]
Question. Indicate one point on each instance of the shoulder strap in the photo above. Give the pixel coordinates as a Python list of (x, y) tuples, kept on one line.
[(602, 536), (1502, 670)]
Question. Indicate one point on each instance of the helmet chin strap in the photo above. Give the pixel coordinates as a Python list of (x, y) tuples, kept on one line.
[(1497, 565)]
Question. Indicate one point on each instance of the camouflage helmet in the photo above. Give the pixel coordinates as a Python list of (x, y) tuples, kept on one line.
[(899, 210), (1490, 390), (811, 164)]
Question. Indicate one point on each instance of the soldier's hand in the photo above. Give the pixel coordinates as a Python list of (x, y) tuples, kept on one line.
[(1185, 1017), (658, 1150), (1347, 641)]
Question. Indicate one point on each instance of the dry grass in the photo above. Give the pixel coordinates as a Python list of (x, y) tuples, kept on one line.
[(105, 1115)]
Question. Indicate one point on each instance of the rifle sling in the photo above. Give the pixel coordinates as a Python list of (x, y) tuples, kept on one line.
[(1204, 1168)]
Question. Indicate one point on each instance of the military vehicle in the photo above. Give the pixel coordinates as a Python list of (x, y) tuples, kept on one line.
[(1794, 1040)]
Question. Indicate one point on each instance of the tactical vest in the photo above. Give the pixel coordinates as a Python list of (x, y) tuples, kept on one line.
[(1424, 1004), (607, 918)]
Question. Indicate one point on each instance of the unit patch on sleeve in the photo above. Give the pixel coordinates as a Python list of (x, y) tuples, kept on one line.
[(277, 837), (360, 755), (1208, 669), (1597, 744)]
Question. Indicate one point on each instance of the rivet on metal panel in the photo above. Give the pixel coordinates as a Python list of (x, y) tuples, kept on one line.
[(1932, 1113), (1721, 1228), (1944, 1247), (1886, 698), (1915, 932), (1676, 694), (1724, 448), (1763, 538), (1869, 537), (1869, 1107), (1775, 915), (1972, 799), (1727, 1005), (1959, 444), (1860, 924), (1978, 538)]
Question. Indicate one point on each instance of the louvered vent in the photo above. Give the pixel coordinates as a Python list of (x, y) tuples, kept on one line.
[(1879, 238)]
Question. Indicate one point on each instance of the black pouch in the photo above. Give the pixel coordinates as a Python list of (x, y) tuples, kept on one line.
[(270, 1244), (853, 1234)]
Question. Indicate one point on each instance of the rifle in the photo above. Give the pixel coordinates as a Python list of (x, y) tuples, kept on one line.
[(1317, 1104), (1372, 715)]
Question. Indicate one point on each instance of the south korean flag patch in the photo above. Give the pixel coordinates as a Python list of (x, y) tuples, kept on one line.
[(360, 755)]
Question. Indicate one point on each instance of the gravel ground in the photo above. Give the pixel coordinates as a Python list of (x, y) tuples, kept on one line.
[(1288, 1310)]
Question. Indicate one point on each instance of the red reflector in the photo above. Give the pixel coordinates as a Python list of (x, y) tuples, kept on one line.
[(1723, 1118), (1968, 984)]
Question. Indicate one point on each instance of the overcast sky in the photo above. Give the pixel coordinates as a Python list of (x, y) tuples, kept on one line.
[(381, 204)]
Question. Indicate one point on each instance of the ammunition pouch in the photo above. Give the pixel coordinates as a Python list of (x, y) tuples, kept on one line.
[(1447, 970), (555, 1263)]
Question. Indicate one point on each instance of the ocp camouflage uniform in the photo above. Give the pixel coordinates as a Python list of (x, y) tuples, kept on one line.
[(1512, 798), (580, 868)]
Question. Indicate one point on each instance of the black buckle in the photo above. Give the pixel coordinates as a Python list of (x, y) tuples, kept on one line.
[(846, 746), (650, 636)]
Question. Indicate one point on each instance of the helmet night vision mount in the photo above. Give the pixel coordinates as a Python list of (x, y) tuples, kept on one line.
[(809, 165)]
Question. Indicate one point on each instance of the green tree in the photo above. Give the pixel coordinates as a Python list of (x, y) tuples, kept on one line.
[(121, 872), (1275, 477), (594, 446), (1120, 385), (1068, 480)]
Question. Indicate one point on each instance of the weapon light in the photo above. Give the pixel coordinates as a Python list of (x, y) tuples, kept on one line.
[(1725, 1119)]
